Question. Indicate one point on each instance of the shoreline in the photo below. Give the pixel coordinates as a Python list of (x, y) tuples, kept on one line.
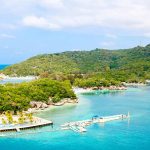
[(51, 107), (41, 106), (90, 89), (134, 84), (113, 87), (6, 77), (125, 86)]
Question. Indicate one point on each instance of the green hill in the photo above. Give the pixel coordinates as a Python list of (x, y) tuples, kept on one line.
[(99, 60)]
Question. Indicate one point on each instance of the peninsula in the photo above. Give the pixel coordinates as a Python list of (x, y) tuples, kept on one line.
[(56, 74)]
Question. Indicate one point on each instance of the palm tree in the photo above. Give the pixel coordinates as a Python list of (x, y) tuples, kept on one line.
[(30, 117), (4, 121), (21, 118), (9, 117), (15, 122), (20, 113)]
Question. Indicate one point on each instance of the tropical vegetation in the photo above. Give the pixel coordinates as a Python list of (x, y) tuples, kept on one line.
[(17, 97), (59, 72), (21, 118), (134, 62)]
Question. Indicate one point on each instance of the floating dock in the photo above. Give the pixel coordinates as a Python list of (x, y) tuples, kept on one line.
[(80, 126), (38, 122), (77, 126)]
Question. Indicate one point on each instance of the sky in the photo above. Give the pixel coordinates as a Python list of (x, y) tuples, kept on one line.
[(32, 27)]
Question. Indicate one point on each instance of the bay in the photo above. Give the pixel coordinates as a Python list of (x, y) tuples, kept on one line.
[(123, 134)]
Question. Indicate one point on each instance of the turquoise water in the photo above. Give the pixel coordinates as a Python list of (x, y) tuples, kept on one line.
[(3, 66), (4, 81), (11, 80), (124, 135)]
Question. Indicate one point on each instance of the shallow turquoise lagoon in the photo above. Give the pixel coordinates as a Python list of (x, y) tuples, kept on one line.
[(12, 80), (116, 135)]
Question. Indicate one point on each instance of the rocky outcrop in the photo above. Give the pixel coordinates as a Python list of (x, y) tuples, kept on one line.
[(35, 104), (61, 103), (66, 100), (72, 101), (40, 105)]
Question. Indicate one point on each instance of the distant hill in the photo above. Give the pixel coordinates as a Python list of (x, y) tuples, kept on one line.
[(99, 60)]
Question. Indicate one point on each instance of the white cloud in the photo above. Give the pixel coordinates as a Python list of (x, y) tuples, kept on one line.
[(7, 36), (54, 14), (39, 22)]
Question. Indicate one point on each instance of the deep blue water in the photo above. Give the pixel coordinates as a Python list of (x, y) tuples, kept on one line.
[(116, 135), (3, 66)]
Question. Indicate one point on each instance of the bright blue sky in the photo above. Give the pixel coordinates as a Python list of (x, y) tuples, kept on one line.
[(31, 27)]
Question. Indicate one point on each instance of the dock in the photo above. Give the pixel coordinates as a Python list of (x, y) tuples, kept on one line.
[(80, 126), (38, 122), (76, 126)]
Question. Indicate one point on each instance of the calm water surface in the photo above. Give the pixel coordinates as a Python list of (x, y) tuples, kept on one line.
[(116, 135), (4, 81), (3, 66)]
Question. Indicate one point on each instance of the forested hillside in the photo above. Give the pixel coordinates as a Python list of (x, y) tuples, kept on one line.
[(96, 68), (135, 61), (17, 97)]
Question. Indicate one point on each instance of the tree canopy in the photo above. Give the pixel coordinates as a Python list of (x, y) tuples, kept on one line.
[(18, 96), (135, 61)]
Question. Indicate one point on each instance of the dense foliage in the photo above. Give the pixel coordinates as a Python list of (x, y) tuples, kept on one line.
[(18, 96), (108, 78), (80, 68), (135, 61)]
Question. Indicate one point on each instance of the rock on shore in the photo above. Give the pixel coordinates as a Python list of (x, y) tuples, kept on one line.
[(41, 105), (35, 104), (66, 100)]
